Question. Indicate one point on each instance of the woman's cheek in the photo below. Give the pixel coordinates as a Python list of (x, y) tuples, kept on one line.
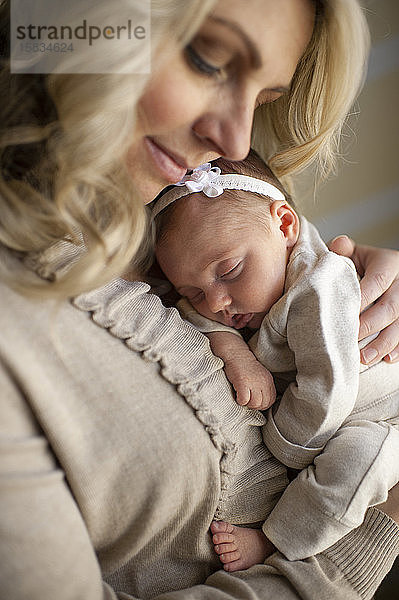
[(172, 101)]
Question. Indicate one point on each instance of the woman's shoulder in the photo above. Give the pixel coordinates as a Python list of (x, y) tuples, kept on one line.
[(132, 313)]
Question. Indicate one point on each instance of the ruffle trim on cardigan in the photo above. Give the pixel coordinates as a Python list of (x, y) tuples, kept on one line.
[(129, 312), (132, 314), (53, 262)]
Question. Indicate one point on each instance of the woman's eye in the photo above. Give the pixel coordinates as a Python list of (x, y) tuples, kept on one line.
[(202, 65)]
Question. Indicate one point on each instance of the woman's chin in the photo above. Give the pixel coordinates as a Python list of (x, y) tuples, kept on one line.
[(146, 180), (148, 189)]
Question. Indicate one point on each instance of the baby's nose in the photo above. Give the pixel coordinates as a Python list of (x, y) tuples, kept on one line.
[(218, 300)]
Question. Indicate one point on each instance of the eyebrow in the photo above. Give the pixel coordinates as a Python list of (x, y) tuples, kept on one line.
[(254, 52), (256, 58)]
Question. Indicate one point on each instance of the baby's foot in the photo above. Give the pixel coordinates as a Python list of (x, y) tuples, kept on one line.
[(239, 547)]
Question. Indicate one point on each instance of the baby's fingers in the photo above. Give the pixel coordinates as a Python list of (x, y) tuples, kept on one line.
[(267, 400), (256, 399), (260, 400), (243, 394)]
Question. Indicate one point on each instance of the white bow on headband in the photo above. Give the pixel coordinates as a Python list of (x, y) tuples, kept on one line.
[(212, 183), (203, 179)]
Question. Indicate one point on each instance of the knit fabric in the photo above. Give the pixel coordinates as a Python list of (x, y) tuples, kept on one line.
[(120, 441), (339, 425)]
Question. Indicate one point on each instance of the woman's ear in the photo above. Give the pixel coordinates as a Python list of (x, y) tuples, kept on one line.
[(288, 221)]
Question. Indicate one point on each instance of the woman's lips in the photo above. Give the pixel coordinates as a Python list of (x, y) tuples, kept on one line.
[(171, 170)]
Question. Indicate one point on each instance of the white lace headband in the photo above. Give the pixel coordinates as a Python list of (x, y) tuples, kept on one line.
[(208, 179)]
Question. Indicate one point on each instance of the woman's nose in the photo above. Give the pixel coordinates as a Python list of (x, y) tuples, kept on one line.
[(218, 300), (227, 129)]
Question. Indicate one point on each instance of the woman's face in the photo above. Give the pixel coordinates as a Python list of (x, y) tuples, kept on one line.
[(200, 104)]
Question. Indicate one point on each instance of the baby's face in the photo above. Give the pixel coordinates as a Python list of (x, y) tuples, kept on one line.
[(232, 274)]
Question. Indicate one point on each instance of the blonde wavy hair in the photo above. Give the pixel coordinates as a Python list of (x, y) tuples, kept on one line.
[(304, 127), (64, 139)]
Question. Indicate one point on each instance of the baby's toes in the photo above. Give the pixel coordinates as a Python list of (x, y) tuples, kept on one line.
[(221, 527), (225, 548), (223, 538), (229, 557), (235, 565)]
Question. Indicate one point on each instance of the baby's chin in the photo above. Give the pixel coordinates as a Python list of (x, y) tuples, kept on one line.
[(256, 320)]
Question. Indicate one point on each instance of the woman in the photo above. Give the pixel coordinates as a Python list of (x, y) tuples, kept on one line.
[(120, 439)]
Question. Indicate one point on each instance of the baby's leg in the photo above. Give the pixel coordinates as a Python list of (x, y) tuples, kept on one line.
[(240, 547), (357, 467)]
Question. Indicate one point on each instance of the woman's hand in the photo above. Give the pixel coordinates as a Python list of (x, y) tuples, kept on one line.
[(379, 269), (391, 506)]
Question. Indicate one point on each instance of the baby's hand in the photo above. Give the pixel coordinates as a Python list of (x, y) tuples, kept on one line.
[(252, 382)]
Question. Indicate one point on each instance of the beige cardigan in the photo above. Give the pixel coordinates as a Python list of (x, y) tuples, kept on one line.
[(120, 442)]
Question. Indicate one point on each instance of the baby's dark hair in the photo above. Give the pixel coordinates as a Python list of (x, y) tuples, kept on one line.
[(242, 204), (253, 166)]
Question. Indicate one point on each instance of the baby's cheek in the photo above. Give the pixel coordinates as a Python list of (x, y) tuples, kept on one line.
[(203, 310)]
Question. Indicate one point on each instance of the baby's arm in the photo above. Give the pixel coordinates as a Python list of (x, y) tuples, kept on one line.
[(321, 333), (252, 382)]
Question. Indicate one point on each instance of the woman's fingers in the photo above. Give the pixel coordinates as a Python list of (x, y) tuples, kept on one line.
[(342, 245), (381, 314), (383, 317), (391, 506), (393, 355), (379, 285), (385, 345), (381, 281), (378, 267)]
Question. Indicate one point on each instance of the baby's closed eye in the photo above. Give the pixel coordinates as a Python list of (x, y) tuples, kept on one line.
[(193, 295), (229, 272), (196, 298)]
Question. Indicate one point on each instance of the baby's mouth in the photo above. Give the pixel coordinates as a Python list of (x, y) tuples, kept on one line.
[(241, 320)]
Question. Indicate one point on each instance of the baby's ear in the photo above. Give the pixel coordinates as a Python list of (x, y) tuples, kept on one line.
[(288, 220)]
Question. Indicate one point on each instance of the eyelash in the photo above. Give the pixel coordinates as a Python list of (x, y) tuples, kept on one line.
[(199, 297), (202, 65), (232, 271)]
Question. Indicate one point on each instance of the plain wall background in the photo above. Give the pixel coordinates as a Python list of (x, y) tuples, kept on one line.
[(363, 199)]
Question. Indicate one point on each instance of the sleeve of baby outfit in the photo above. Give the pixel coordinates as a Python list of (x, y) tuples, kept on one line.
[(46, 551), (188, 312), (322, 330)]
